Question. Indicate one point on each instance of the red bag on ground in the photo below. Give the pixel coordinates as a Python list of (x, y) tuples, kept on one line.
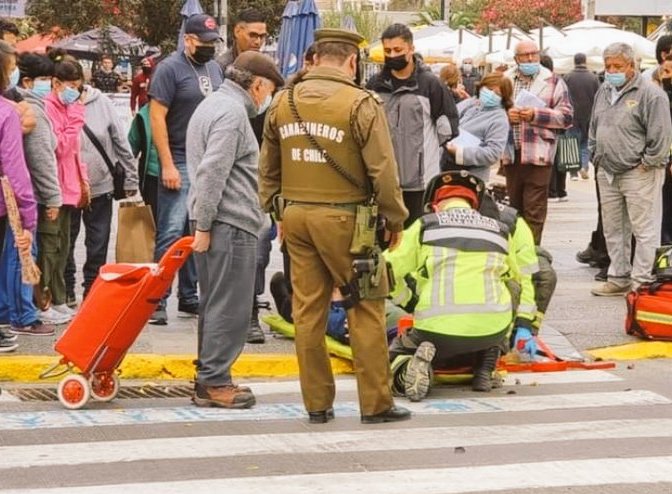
[(650, 312)]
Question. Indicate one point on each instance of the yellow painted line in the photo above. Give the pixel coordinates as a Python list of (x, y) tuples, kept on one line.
[(27, 368), (634, 351)]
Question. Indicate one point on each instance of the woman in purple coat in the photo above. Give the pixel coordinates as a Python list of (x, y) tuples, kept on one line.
[(13, 166)]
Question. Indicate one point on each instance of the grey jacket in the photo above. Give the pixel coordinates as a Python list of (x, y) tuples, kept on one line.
[(39, 147), (223, 161), (635, 129), (102, 119), (422, 117)]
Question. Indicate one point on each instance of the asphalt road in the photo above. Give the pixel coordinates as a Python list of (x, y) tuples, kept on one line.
[(580, 432)]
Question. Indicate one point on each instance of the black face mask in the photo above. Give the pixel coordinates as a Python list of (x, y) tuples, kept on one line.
[(667, 85), (146, 70), (203, 54), (396, 63)]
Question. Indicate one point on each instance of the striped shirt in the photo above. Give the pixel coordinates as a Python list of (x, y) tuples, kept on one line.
[(519, 83)]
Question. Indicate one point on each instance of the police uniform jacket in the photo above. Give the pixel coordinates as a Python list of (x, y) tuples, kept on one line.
[(350, 124)]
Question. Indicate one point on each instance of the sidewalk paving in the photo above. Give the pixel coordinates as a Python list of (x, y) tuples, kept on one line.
[(585, 320)]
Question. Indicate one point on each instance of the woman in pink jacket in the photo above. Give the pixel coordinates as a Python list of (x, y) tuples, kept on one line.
[(13, 166), (65, 110)]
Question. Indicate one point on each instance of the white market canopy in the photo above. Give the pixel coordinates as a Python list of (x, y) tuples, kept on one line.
[(588, 37), (437, 44)]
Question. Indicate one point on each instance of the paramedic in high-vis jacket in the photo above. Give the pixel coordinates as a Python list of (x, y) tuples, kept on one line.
[(451, 271)]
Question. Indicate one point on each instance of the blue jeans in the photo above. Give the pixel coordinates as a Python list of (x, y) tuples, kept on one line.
[(583, 147), (172, 223), (16, 298)]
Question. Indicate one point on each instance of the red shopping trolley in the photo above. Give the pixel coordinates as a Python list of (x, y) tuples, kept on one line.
[(120, 303)]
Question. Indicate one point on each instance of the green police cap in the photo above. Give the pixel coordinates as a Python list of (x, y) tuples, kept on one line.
[(338, 36)]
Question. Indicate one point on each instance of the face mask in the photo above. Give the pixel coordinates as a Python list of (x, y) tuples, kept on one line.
[(617, 79), (146, 70), (489, 98), (396, 63), (667, 84), (265, 104), (467, 68), (529, 69), (203, 54), (41, 88), (14, 78), (69, 95)]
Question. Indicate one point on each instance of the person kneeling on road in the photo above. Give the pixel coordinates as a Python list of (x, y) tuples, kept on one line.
[(451, 271)]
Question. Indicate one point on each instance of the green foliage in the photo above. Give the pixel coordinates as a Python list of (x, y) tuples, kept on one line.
[(429, 14), (466, 13), (155, 21), (367, 22)]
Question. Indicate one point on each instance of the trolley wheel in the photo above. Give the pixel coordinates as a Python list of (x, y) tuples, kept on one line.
[(74, 391), (105, 386)]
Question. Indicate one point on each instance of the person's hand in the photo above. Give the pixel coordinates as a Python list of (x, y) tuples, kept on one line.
[(201, 241), (514, 115), (131, 193), (451, 148), (170, 177), (26, 116), (24, 241), (393, 239), (461, 93), (85, 197), (524, 343), (51, 214), (281, 232), (527, 114)]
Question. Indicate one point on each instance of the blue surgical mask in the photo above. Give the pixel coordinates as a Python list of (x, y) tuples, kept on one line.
[(489, 98), (529, 69), (41, 88), (69, 95), (616, 79), (265, 104), (14, 78)]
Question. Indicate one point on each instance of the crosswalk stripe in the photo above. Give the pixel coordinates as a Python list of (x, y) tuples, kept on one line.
[(288, 411), (326, 442), (548, 474)]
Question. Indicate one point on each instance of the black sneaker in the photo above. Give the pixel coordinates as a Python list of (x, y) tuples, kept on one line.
[(159, 318), (187, 311), (7, 346)]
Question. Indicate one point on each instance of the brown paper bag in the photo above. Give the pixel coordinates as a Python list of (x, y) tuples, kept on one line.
[(136, 233)]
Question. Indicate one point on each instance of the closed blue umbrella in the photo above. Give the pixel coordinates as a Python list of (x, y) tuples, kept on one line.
[(190, 7), (299, 22)]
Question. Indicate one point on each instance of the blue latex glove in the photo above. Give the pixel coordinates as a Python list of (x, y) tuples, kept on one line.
[(524, 343)]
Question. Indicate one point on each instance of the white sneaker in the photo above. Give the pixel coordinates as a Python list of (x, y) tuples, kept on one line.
[(64, 309), (50, 316)]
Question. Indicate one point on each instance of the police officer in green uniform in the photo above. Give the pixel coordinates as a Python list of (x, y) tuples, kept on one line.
[(451, 271), (323, 122)]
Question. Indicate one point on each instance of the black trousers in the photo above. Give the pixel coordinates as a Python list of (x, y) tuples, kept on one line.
[(97, 224), (666, 230), (558, 185), (414, 204)]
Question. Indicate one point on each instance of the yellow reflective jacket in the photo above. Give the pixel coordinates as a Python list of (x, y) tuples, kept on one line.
[(451, 270)]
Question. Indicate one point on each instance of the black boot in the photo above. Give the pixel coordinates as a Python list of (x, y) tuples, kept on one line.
[(254, 333), (486, 362)]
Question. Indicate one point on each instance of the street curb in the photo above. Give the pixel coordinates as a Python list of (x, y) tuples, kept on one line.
[(27, 368), (634, 351)]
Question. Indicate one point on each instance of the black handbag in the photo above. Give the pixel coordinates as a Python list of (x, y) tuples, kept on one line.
[(568, 154), (117, 171)]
